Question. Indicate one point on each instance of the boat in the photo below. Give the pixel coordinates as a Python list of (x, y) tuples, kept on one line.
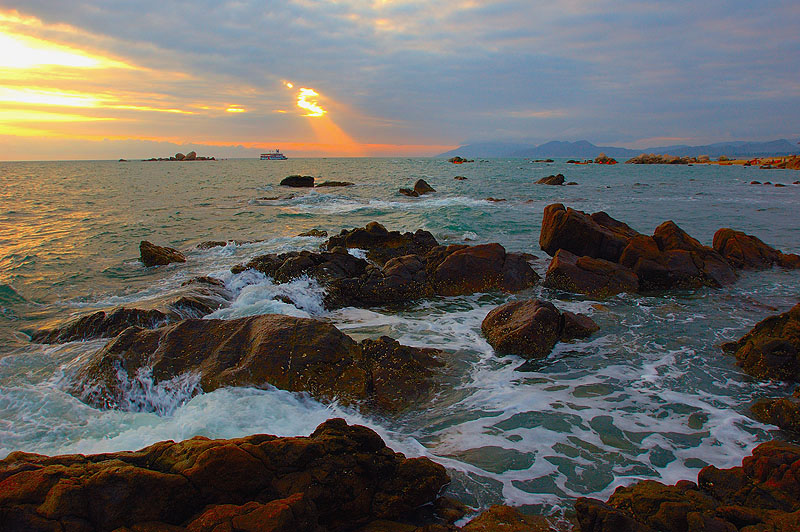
[(273, 156)]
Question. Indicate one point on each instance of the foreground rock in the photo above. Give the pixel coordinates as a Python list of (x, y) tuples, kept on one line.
[(339, 478), (196, 298), (761, 495), (381, 244), (298, 181), (625, 260), (294, 354), (506, 519), (585, 275), (783, 412), (153, 255), (772, 348), (747, 252), (557, 179), (531, 328)]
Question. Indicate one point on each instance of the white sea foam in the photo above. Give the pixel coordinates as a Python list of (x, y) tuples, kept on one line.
[(257, 294)]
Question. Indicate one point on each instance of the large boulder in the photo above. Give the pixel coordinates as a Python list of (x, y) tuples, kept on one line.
[(422, 187), (482, 268), (761, 495), (557, 179), (748, 252), (597, 235), (298, 181), (196, 298), (783, 412), (772, 348), (585, 275), (381, 244), (339, 478), (531, 328), (295, 354), (153, 255), (673, 259)]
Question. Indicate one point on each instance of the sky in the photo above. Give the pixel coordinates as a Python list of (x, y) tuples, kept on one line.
[(108, 79)]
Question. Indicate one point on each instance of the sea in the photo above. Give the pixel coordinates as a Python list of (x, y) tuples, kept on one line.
[(649, 396)]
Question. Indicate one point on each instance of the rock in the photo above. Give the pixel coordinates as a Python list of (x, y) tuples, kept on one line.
[(460, 160), (745, 251), (673, 259), (294, 354), (783, 412), (507, 519), (191, 156), (482, 268), (755, 182), (381, 244), (531, 328), (335, 184), (460, 178), (326, 266), (495, 200), (552, 180), (338, 478), (585, 275), (298, 181), (152, 255), (604, 159), (422, 187), (408, 192), (210, 244), (652, 158), (179, 156), (772, 348), (197, 297), (123, 160), (315, 233), (598, 235), (761, 495), (571, 183)]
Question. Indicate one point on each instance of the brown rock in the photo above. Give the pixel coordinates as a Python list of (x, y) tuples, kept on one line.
[(482, 268), (552, 180), (338, 478), (152, 255), (422, 187), (782, 412), (531, 328), (585, 275), (604, 159), (408, 192), (507, 519), (598, 235), (191, 156), (460, 178), (298, 181), (745, 251), (382, 245), (772, 348), (295, 354), (335, 184), (316, 233)]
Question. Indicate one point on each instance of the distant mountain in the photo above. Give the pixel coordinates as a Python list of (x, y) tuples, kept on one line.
[(583, 149)]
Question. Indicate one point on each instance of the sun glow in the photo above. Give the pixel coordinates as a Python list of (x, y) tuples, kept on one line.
[(307, 99), (23, 52)]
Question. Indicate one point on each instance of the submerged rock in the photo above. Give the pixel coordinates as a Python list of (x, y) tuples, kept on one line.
[(298, 181), (408, 192), (761, 495), (294, 354), (772, 348), (339, 478), (196, 298), (335, 184), (531, 328), (153, 255), (748, 252)]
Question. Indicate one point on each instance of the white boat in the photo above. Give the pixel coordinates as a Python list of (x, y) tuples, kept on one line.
[(273, 156)]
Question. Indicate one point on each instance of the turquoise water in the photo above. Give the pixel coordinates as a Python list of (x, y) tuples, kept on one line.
[(649, 396)]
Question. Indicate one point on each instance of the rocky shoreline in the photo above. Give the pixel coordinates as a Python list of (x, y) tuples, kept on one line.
[(344, 477)]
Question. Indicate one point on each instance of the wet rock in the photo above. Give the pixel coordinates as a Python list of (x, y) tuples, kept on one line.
[(196, 298), (507, 519), (324, 266), (460, 160), (585, 275), (772, 348), (422, 187), (460, 178), (339, 478), (531, 328), (755, 182), (408, 192), (482, 268), (152, 255), (211, 244), (673, 259), (783, 412), (570, 183), (597, 235), (761, 495), (335, 184), (381, 244), (745, 251), (298, 181), (316, 233), (495, 200), (294, 354), (552, 180)]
